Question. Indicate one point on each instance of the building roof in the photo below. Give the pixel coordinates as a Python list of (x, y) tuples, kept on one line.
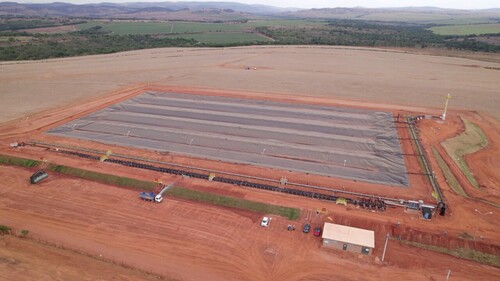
[(347, 234)]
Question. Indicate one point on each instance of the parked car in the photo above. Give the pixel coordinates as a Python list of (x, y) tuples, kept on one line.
[(317, 231), (307, 227), (265, 222)]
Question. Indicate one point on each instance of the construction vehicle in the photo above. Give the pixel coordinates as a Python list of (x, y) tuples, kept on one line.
[(38, 176), (153, 197), (17, 144)]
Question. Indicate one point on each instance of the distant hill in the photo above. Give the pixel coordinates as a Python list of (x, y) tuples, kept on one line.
[(196, 6), (228, 11), (407, 14), (143, 10)]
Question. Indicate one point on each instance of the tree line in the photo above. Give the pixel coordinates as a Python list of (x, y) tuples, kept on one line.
[(88, 42), (336, 32)]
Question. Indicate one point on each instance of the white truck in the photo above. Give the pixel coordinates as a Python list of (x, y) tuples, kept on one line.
[(151, 196)]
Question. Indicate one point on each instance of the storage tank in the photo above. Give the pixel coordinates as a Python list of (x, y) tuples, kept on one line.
[(38, 176)]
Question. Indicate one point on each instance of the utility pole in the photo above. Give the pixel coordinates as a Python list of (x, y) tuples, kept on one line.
[(385, 246), (443, 117), (448, 275), (190, 142)]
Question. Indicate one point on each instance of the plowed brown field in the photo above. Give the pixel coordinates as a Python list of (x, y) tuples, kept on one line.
[(361, 74)]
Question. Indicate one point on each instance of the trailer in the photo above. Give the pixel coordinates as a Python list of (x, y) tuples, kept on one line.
[(151, 196)]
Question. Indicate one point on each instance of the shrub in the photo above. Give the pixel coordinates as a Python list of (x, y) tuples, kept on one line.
[(4, 229), (23, 233)]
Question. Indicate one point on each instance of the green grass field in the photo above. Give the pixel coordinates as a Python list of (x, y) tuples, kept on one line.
[(404, 17), (179, 27), (131, 28), (467, 20), (284, 22), (467, 29), (470, 141), (223, 38), (206, 33), (224, 201), (424, 18)]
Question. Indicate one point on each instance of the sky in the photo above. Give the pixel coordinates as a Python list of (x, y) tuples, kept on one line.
[(456, 4)]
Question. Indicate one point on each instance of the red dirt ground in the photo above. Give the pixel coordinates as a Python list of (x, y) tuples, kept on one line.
[(191, 241), (484, 164), (25, 259)]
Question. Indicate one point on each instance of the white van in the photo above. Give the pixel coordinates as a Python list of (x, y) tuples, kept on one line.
[(265, 222), (158, 198)]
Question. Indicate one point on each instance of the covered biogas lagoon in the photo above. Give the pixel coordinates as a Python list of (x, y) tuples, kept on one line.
[(349, 143)]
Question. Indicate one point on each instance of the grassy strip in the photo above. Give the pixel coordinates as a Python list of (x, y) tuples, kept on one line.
[(467, 254), (450, 178), (419, 157), (490, 203), (15, 161), (102, 178), (470, 141), (219, 200)]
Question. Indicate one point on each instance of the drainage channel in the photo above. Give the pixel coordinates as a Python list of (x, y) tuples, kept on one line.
[(425, 160)]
